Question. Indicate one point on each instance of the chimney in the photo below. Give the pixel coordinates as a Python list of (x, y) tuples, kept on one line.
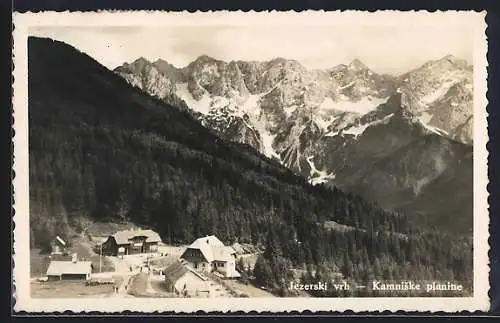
[(74, 258)]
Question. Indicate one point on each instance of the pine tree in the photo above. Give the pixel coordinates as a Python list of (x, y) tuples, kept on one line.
[(263, 272)]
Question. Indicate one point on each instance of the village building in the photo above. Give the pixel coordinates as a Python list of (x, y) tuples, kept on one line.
[(132, 241), (69, 269), (182, 279), (209, 254), (238, 248), (58, 246)]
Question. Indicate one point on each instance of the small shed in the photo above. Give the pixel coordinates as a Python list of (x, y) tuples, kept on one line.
[(69, 270)]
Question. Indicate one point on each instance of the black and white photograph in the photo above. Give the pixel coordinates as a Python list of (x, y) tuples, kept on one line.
[(251, 157)]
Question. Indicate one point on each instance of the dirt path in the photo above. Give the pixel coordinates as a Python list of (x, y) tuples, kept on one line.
[(122, 269), (122, 290)]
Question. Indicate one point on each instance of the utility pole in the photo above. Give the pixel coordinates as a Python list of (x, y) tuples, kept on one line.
[(100, 259)]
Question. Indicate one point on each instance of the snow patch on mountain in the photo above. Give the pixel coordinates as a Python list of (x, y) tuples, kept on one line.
[(220, 102), (362, 106), (251, 105), (250, 110), (346, 86), (425, 119), (203, 105), (359, 129), (318, 176), (323, 122), (289, 110), (267, 142), (435, 130), (331, 134), (439, 168), (438, 93), (266, 137)]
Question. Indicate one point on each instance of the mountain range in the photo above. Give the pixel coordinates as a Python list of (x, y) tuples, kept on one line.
[(403, 141)]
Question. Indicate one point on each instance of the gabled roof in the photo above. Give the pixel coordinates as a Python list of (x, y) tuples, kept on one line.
[(123, 237), (208, 240), (213, 249), (224, 253), (60, 240), (238, 248), (57, 268), (178, 269)]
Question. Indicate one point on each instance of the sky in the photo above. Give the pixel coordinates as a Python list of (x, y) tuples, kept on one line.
[(384, 49)]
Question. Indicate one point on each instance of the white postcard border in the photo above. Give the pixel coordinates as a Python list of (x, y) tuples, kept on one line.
[(21, 276)]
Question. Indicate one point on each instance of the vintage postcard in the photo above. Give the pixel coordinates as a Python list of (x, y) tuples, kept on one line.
[(260, 161)]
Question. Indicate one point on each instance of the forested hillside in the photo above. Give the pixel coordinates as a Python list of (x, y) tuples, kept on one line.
[(103, 150)]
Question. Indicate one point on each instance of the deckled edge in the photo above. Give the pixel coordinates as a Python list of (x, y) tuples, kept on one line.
[(251, 312), (12, 173), (488, 157)]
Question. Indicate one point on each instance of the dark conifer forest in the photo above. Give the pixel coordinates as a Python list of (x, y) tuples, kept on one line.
[(103, 150)]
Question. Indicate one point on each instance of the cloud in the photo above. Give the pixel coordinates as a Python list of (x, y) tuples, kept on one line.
[(386, 49)]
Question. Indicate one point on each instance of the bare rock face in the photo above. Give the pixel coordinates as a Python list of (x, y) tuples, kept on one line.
[(440, 94), (390, 139), (288, 107), (144, 75)]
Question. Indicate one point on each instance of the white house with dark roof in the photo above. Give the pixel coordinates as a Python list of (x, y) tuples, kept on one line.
[(209, 254), (131, 242)]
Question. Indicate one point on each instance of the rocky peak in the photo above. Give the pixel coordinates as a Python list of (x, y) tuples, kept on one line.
[(455, 60), (356, 64), (136, 66), (448, 62), (449, 57), (287, 63), (204, 59), (164, 66), (278, 61), (169, 70), (147, 76), (140, 62)]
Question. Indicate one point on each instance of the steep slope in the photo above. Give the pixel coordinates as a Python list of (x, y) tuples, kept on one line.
[(150, 78), (400, 163), (102, 149)]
